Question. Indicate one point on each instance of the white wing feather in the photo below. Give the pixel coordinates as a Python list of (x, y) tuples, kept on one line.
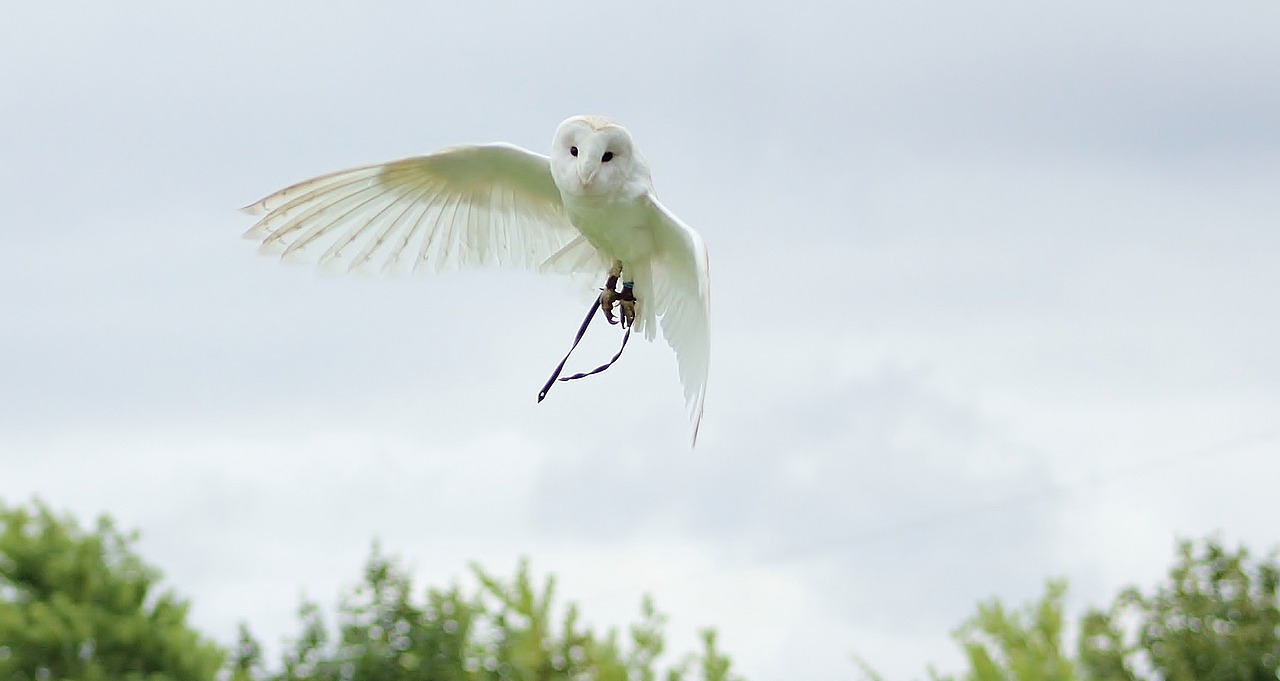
[(479, 205), (682, 298), (458, 208)]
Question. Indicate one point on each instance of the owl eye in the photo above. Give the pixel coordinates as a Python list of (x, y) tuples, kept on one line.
[(608, 156), (573, 151)]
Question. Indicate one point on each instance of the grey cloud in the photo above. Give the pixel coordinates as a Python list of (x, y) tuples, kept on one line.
[(955, 247), (892, 497)]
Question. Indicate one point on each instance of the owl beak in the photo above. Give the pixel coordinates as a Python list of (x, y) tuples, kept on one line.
[(587, 177)]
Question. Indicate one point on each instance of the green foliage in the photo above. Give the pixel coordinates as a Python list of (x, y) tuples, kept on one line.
[(77, 604), (1026, 645), (500, 631), (246, 657), (1218, 618), (714, 664)]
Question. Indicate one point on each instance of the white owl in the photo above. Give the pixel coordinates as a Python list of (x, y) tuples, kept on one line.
[(588, 209)]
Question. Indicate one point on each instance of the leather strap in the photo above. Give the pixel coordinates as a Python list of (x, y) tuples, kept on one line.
[(582, 330)]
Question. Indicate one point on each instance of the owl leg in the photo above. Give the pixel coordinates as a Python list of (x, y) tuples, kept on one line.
[(625, 298), (627, 303)]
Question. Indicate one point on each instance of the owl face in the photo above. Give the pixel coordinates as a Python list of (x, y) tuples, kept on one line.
[(593, 156)]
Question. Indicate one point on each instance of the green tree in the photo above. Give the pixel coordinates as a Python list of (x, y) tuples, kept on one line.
[(1217, 619), (79, 604), (1017, 645), (500, 630)]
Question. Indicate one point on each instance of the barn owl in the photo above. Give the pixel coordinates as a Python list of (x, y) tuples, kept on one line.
[(588, 208)]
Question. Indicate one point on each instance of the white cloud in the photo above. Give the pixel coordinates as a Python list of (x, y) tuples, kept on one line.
[(961, 256)]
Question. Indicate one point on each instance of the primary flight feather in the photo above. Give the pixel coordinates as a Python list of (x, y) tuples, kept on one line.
[(589, 208)]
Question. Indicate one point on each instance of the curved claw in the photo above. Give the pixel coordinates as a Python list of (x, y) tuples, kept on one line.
[(627, 302), (607, 298), (610, 295)]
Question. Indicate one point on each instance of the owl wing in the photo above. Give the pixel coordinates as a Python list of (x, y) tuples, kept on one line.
[(463, 207), (682, 298)]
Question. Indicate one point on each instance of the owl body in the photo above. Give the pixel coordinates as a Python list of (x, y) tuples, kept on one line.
[(583, 209), (617, 227)]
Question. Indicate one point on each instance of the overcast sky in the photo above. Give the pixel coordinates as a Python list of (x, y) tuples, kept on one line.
[(995, 301)]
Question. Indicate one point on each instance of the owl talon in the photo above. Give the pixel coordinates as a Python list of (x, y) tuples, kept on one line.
[(627, 306), (608, 297), (625, 299)]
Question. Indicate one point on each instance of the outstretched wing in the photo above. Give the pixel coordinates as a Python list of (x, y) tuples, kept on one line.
[(457, 208), (682, 298)]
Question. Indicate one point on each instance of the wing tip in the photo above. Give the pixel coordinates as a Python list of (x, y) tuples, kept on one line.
[(271, 248), (695, 415), (256, 233), (255, 208)]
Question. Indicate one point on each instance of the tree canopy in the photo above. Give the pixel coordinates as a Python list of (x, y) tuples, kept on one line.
[(79, 604), (500, 630), (1216, 618)]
